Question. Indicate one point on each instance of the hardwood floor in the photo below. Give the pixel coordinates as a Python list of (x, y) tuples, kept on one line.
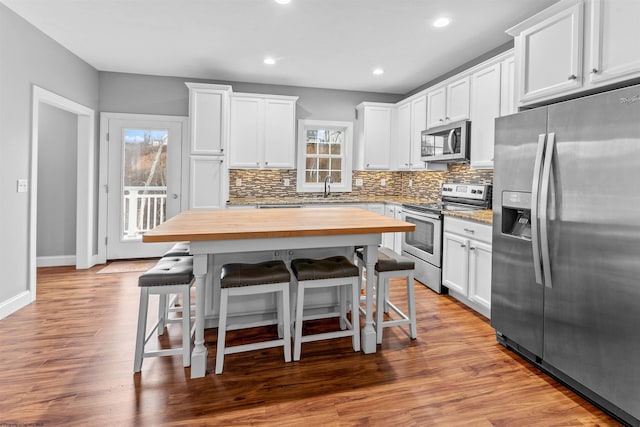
[(67, 359)]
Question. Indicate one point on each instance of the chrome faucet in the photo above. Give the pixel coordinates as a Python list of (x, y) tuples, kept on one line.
[(327, 187)]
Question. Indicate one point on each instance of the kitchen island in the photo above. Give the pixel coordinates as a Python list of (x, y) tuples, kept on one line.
[(217, 235)]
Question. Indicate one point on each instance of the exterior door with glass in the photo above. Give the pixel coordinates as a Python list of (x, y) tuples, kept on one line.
[(144, 180)]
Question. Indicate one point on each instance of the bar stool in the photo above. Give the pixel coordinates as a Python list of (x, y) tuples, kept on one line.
[(391, 265), (169, 276), (169, 303), (335, 271), (252, 279)]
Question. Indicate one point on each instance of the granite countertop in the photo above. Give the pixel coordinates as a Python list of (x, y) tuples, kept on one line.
[(258, 201), (484, 216)]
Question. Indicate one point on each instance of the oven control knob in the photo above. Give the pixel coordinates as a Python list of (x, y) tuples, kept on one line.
[(473, 191), (479, 191)]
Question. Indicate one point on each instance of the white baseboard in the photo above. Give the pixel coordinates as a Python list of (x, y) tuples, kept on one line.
[(14, 304), (55, 261)]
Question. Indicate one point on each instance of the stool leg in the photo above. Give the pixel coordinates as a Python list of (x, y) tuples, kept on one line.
[(355, 313), (186, 327), (162, 313), (342, 294), (142, 329), (297, 339), (412, 306), (222, 329), (380, 305), (286, 322)]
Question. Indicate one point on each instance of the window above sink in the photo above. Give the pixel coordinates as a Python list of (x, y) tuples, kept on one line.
[(324, 149)]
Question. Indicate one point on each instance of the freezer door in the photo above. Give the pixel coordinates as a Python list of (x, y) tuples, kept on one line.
[(516, 299), (592, 309)]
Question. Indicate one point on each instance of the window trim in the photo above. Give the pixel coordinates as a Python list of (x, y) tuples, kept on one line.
[(347, 127)]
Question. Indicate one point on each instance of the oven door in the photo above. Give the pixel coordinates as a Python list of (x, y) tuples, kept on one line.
[(426, 241)]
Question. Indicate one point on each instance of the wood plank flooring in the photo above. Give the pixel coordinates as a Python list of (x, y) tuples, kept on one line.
[(67, 360)]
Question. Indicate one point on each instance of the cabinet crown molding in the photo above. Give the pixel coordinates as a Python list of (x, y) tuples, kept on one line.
[(543, 15), (263, 95), (209, 86)]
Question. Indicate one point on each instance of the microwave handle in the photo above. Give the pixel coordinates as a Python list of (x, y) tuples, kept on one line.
[(450, 139)]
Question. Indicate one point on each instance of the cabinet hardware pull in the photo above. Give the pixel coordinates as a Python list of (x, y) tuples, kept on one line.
[(572, 77), (469, 230), (594, 71), (447, 118), (463, 246), (472, 248)]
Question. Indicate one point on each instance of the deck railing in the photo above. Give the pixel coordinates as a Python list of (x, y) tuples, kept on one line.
[(144, 209)]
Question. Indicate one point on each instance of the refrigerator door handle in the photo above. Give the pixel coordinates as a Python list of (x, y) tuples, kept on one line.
[(544, 204), (535, 189)]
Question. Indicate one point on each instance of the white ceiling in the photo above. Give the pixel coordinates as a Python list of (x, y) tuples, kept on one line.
[(317, 43)]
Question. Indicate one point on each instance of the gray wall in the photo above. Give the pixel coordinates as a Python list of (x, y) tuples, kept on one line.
[(57, 181), (28, 57), (140, 94)]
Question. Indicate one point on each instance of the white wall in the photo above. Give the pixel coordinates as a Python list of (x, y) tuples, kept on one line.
[(57, 182), (27, 57)]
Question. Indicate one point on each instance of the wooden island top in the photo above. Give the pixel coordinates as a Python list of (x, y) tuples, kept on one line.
[(232, 224)]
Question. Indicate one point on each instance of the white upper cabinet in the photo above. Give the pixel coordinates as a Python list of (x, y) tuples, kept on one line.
[(485, 107), (549, 52), (208, 117), (262, 131), (373, 145), (448, 103), (411, 120), (576, 45), (614, 41)]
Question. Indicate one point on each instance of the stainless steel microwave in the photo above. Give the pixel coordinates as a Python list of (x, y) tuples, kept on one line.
[(446, 143)]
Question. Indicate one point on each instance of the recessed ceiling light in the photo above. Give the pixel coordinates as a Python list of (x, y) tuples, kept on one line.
[(283, 1), (441, 22), (269, 61), (378, 71)]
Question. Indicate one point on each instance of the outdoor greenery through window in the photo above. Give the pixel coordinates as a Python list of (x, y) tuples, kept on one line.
[(323, 151)]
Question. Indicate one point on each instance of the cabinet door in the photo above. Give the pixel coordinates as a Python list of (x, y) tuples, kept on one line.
[(455, 263), (402, 148), (279, 133), (245, 148), (550, 55), (436, 107), (615, 41), (377, 137), (418, 124), (508, 87), (485, 107), (206, 183), (480, 274), (388, 238), (206, 115), (457, 100)]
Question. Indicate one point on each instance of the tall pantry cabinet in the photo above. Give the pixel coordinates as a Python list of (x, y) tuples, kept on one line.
[(209, 125)]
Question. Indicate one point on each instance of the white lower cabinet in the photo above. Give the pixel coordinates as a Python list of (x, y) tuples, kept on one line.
[(466, 262), (392, 241)]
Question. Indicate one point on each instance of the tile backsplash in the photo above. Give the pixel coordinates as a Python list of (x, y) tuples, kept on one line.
[(269, 183)]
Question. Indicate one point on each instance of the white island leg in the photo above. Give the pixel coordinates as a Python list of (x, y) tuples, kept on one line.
[(199, 354), (368, 337)]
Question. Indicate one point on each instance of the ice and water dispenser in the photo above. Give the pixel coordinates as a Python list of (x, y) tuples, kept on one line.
[(516, 214)]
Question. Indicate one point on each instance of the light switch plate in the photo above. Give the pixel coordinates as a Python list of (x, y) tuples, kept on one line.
[(23, 186), (410, 183), (359, 182), (238, 182), (286, 182), (383, 182)]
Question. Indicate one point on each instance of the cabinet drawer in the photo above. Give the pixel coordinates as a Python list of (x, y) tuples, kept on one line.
[(469, 229)]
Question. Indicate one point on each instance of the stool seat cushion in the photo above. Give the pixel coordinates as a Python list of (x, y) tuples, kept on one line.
[(168, 271), (179, 249), (239, 274), (328, 268), (388, 260)]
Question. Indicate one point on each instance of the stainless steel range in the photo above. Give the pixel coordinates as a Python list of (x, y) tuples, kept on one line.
[(424, 245)]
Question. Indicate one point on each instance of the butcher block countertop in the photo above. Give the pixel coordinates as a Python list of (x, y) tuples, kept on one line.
[(230, 224)]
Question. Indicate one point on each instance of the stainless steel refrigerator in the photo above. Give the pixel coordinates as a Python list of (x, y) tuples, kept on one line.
[(566, 244)]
